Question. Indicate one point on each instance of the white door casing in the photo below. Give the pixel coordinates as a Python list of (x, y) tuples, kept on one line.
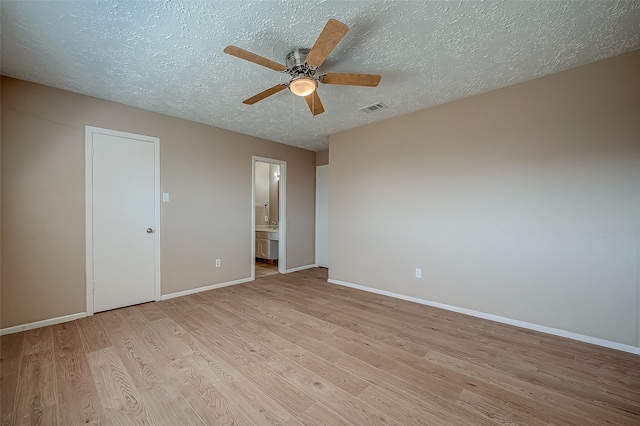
[(122, 204)]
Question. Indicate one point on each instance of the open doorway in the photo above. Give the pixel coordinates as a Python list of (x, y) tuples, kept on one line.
[(268, 217)]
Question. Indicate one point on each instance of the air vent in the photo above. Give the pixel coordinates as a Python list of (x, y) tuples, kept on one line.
[(374, 107)]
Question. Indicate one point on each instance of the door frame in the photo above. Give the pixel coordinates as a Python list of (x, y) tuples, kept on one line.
[(88, 174), (282, 211)]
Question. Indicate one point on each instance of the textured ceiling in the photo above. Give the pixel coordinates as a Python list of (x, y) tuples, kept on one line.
[(167, 56)]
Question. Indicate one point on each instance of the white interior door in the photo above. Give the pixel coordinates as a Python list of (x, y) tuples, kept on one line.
[(322, 216), (123, 221)]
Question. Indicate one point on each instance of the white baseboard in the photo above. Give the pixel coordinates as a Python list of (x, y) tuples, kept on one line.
[(299, 268), (205, 288), (497, 318), (43, 323), (52, 321)]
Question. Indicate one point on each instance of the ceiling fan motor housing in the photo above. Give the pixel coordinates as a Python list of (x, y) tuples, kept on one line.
[(297, 65)]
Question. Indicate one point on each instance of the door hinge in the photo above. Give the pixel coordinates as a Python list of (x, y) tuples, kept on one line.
[(94, 286), (92, 152)]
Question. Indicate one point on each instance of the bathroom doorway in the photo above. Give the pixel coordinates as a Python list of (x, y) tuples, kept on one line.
[(268, 217)]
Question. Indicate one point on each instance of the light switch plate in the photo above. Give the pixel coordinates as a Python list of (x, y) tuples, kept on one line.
[(165, 197)]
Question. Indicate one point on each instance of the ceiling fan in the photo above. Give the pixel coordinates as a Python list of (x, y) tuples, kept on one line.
[(302, 66)]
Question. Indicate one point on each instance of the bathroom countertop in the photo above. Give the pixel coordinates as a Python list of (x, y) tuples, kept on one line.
[(265, 228)]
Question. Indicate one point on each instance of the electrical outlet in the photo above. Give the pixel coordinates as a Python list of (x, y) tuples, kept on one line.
[(217, 263), (418, 273)]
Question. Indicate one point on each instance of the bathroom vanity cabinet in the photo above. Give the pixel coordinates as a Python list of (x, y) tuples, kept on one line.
[(267, 244)]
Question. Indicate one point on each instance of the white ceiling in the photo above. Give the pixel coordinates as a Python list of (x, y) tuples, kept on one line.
[(167, 56)]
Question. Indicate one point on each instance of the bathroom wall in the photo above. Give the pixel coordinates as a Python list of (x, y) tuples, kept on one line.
[(266, 189), (262, 193), (273, 193)]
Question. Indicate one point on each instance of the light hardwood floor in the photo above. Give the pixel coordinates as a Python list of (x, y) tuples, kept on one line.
[(264, 268), (295, 350)]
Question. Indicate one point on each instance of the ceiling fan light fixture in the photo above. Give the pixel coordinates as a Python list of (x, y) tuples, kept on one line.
[(303, 86)]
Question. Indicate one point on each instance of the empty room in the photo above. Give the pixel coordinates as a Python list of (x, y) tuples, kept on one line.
[(320, 212)]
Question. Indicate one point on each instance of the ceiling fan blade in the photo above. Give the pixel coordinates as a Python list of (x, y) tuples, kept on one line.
[(313, 100), (260, 96), (369, 80), (252, 57), (327, 40)]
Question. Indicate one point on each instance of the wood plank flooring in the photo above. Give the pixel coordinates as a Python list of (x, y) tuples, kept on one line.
[(295, 350), (264, 268)]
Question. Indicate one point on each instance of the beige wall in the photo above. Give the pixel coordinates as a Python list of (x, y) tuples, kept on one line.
[(322, 158), (0, 206), (206, 170), (523, 202)]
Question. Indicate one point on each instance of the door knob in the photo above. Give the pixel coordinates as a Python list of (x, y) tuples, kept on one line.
[(149, 230)]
